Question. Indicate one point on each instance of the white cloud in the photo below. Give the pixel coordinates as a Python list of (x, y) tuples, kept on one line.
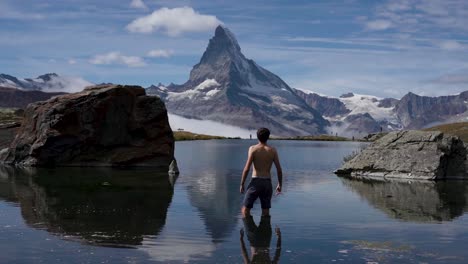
[(428, 17), (69, 84), (451, 45), (138, 4), (174, 22), (379, 24), (160, 53), (72, 61), (116, 57), (9, 13), (207, 127), (458, 78)]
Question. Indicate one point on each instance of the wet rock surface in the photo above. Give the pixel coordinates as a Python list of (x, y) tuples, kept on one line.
[(106, 125), (425, 155)]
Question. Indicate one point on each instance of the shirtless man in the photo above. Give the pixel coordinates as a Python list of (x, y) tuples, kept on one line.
[(262, 156)]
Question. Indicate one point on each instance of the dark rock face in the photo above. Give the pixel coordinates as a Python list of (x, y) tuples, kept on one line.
[(413, 201), (416, 111), (360, 124), (14, 98), (326, 106), (227, 87), (412, 155), (388, 102), (105, 207), (347, 95), (109, 125)]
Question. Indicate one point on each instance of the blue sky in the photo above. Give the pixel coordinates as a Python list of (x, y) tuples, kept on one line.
[(383, 48)]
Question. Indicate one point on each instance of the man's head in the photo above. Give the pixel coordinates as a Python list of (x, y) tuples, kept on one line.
[(263, 134)]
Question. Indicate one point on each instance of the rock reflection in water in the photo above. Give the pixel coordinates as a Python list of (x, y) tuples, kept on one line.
[(100, 206), (413, 200)]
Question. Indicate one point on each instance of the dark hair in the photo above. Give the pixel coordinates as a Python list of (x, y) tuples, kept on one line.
[(263, 134)]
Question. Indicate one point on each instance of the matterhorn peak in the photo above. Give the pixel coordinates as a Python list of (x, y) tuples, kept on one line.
[(223, 45)]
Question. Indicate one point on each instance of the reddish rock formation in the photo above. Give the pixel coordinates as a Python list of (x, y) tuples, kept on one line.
[(106, 125)]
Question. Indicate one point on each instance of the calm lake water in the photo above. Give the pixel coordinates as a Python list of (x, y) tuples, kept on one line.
[(139, 216)]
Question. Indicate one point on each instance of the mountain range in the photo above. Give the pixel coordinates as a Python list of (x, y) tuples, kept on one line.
[(50, 82), (228, 88)]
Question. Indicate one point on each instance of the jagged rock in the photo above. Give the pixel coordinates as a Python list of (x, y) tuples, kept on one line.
[(108, 125), (416, 111), (326, 106), (361, 124), (427, 155)]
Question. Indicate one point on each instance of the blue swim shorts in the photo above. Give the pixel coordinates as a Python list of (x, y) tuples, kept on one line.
[(259, 188)]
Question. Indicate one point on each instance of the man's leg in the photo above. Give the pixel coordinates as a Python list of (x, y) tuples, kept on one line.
[(265, 197), (251, 195)]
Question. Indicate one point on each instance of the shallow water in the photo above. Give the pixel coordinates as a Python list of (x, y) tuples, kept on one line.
[(138, 216)]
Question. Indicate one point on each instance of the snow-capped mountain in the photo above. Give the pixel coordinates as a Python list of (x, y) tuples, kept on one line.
[(227, 87), (50, 82), (354, 114), (358, 115)]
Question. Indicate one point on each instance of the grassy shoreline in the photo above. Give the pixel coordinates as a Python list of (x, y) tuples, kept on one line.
[(314, 138), (186, 136), (457, 129)]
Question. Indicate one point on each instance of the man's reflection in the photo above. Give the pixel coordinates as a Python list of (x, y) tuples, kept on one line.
[(259, 238)]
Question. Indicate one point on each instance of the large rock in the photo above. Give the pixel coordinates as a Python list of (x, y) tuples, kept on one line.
[(107, 125), (410, 154)]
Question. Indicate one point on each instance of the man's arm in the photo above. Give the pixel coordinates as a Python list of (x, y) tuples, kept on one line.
[(246, 169), (279, 172)]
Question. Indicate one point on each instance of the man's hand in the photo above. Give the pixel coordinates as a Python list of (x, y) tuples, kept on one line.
[(241, 188), (278, 189)]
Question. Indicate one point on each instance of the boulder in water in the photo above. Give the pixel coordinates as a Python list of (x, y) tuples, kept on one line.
[(426, 155), (104, 125)]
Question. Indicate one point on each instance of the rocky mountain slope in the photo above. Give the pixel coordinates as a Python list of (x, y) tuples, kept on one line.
[(227, 87), (416, 111), (354, 114), (50, 82), (15, 98)]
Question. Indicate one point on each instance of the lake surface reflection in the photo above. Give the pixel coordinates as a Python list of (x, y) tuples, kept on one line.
[(88, 215)]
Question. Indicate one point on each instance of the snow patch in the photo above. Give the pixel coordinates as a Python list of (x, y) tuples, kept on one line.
[(207, 127), (207, 84), (359, 104)]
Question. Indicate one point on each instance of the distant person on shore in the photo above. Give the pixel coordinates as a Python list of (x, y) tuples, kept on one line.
[(260, 239), (262, 156)]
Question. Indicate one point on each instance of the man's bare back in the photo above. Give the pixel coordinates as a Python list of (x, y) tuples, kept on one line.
[(262, 157)]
